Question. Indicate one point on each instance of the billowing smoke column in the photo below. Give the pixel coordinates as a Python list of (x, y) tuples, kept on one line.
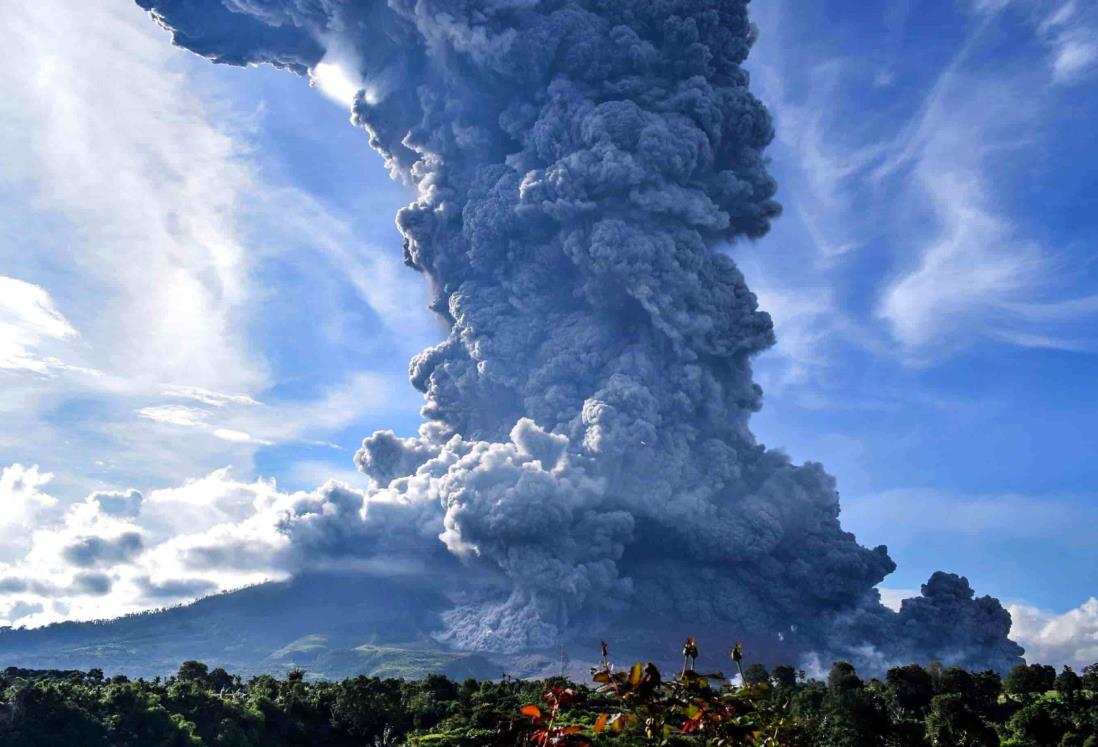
[(586, 448)]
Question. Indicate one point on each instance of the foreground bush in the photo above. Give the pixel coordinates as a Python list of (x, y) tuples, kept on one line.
[(636, 704)]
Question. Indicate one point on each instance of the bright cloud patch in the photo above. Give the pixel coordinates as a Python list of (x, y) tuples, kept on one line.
[(148, 265), (1071, 33), (143, 189), (28, 318), (1070, 638), (125, 275), (118, 552), (1049, 638), (335, 82), (975, 275), (23, 504)]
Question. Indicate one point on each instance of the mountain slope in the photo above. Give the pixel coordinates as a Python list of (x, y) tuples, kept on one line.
[(332, 625)]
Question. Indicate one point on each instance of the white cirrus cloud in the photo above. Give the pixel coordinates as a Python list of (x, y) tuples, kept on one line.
[(207, 397), (975, 274), (125, 198), (142, 216), (1071, 33), (138, 183), (28, 318), (924, 184)]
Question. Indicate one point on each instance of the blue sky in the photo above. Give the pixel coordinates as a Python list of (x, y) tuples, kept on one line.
[(933, 280), (199, 270)]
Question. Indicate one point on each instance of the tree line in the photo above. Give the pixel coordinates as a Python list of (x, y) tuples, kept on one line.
[(1034, 705)]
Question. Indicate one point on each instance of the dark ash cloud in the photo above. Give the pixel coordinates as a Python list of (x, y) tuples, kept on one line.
[(586, 450)]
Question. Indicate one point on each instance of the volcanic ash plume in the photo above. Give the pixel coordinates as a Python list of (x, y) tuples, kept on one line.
[(586, 448)]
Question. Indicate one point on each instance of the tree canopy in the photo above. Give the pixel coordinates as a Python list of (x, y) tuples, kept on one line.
[(632, 705)]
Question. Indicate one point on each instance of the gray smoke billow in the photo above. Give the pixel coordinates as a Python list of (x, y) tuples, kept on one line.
[(586, 450)]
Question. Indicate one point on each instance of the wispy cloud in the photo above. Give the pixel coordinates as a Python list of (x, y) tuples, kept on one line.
[(244, 420), (143, 186), (28, 317), (829, 157), (380, 280), (144, 247), (1071, 33), (1068, 30), (193, 417), (207, 397), (174, 414), (976, 275), (121, 206), (952, 263)]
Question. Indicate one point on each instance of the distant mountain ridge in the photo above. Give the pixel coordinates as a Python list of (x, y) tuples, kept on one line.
[(336, 625), (331, 625)]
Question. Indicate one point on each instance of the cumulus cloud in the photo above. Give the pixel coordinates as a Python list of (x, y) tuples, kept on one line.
[(21, 494), (91, 583), (91, 551), (119, 552), (586, 444), (116, 502), (23, 504), (174, 589), (1049, 638)]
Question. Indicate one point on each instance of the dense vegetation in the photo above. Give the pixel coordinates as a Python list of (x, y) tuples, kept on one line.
[(912, 705)]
